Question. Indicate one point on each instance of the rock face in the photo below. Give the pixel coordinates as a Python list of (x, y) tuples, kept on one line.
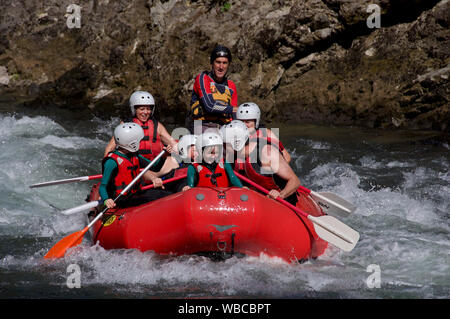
[(320, 61)]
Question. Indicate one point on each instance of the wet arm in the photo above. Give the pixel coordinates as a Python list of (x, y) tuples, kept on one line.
[(110, 147), (169, 165), (286, 173), (277, 143), (274, 161), (286, 155), (166, 138)]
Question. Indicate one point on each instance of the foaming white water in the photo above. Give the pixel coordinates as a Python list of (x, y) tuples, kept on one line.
[(149, 274), (73, 142), (402, 218), (105, 127), (27, 127), (31, 153)]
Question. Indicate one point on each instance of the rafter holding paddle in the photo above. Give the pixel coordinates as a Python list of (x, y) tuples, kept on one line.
[(93, 204), (327, 227), (60, 248)]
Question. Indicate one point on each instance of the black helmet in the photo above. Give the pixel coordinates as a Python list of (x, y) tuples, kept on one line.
[(220, 51)]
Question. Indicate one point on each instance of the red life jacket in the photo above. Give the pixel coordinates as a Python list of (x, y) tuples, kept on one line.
[(244, 165), (206, 178), (128, 169), (268, 181), (151, 144), (239, 165), (265, 181), (247, 168), (261, 133)]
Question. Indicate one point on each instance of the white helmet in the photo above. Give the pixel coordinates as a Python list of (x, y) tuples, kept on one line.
[(249, 111), (128, 136), (208, 138), (235, 133), (141, 98), (184, 143)]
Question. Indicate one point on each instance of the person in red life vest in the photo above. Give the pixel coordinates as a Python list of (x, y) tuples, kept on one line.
[(121, 166), (250, 114), (264, 164), (212, 170), (214, 96), (142, 106), (177, 164)]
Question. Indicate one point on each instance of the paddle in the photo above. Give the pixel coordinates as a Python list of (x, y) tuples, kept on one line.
[(327, 227), (166, 181), (331, 203), (68, 180), (94, 203), (59, 250), (81, 208)]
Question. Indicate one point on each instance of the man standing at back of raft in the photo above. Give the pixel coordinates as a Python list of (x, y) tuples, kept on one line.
[(214, 96)]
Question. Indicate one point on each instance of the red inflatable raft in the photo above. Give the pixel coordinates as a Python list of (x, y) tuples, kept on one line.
[(212, 221)]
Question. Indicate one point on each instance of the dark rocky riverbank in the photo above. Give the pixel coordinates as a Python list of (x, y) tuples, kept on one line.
[(313, 61)]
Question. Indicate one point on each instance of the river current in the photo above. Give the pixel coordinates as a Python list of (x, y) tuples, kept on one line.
[(399, 181)]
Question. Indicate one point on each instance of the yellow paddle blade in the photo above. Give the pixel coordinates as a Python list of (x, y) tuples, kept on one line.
[(60, 248)]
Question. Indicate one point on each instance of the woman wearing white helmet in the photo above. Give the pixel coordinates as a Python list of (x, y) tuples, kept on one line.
[(121, 166), (142, 106), (250, 114), (212, 170)]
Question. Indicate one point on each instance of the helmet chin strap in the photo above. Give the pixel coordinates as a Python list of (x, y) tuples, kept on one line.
[(122, 150)]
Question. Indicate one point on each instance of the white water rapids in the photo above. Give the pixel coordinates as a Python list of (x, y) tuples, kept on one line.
[(401, 186)]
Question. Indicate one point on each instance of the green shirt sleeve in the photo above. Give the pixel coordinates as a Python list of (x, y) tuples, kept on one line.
[(234, 180), (109, 167), (191, 176)]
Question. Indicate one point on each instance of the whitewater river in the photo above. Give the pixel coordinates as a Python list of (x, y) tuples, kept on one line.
[(399, 181)]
